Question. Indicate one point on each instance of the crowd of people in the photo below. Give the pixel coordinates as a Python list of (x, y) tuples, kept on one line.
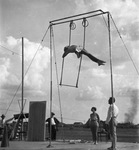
[(93, 122)]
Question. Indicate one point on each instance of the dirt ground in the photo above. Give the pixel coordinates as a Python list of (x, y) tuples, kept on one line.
[(67, 145)]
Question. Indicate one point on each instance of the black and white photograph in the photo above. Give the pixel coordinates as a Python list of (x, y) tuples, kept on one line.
[(69, 74)]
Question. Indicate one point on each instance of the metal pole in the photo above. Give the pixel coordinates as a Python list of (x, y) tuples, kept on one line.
[(22, 99), (110, 52), (111, 70), (22, 103), (50, 84), (80, 18), (100, 11)]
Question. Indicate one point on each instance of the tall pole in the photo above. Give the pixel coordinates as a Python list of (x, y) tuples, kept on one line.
[(22, 100), (50, 84), (111, 70), (110, 52)]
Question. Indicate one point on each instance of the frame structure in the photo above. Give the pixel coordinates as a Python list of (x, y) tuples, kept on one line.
[(70, 19)]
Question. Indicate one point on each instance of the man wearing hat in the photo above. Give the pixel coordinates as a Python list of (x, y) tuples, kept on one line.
[(53, 125), (2, 121)]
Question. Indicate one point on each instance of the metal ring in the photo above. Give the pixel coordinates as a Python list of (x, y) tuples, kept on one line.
[(72, 25), (85, 23)]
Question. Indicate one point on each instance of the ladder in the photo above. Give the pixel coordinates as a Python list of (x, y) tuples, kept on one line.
[(18, 129)]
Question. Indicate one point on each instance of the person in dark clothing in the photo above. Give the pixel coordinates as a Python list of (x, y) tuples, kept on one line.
[(94, 124), (78, 50), (53, 125)]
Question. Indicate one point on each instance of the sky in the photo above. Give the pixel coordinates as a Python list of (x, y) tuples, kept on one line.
[(30, 19)]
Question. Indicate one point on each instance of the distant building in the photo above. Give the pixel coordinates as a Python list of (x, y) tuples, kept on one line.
[(78, 124)]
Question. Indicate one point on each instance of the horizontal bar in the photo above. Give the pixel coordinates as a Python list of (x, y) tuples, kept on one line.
[(79, 18), (76, 15), (68, 85)]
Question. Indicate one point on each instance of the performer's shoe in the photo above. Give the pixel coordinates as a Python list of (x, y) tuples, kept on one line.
[(101, 63)]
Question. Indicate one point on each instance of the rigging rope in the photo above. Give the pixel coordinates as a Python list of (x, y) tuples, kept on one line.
[(57, 78), (125, 45), (28, 69), (59, 96), (84, 24), (122, 42), (10, 50), (72, 26)]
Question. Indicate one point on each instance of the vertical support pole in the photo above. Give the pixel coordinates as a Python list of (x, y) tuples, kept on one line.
[(22, 103), (111, 72), (110, 52), (50, 84), (22, 100)]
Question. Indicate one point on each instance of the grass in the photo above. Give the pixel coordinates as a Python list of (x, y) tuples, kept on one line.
[(75, 133)]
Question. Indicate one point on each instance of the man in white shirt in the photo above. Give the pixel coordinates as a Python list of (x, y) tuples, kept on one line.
[(111, 120), (53, 124)]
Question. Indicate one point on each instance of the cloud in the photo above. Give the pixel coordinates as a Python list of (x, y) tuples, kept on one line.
[(4, 66), (11, 42), (91, 93), (11, 66), (98, 72), (34, 77), (94, 82), (80, 6)]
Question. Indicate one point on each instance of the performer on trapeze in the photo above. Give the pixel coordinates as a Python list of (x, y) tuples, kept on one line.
[(78, 50)]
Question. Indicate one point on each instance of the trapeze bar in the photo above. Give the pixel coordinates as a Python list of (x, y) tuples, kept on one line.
[(68, 85), (77, 19)]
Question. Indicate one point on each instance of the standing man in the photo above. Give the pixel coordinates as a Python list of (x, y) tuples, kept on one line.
[(53, 125), (2, 121), (112, 121)]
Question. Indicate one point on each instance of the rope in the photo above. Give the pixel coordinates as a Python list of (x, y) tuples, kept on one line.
[(125, 46), (27, 69), (57, 78), (72, 26), (122, 42), (85, 24), (62, 72), (10, 50), (59, 96), (105, 21)]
